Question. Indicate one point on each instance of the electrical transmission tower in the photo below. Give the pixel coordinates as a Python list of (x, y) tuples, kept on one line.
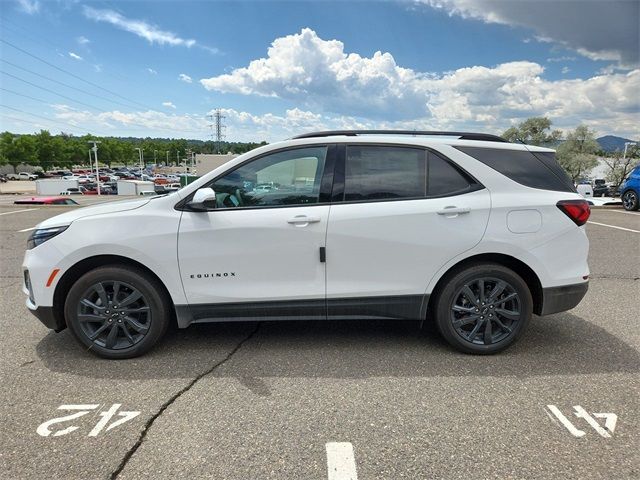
[(217, 129)]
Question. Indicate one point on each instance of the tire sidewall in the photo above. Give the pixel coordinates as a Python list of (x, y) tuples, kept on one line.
[(446, 298), (150, 290)]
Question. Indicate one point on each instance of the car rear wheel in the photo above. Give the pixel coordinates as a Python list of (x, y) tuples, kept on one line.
[(630, 200), (117, 311), (483, 309)]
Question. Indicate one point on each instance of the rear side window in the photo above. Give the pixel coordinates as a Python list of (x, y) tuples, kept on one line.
[(445, 179), (379, 172), (535, 170)]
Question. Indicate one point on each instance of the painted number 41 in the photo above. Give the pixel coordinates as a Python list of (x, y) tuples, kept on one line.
[(44, 429), (610, 420)]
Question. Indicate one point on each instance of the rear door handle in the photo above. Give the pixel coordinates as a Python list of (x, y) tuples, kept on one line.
[(453, 210), (302, 220)]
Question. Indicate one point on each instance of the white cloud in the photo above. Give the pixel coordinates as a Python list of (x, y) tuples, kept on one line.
[(75, 56), (318, 74), (142, 123), (564, 58), (185, 78), (152, 33), (151, 71), (29, 6), (565, 70), (597, 29), (168, 105), (83, 40)]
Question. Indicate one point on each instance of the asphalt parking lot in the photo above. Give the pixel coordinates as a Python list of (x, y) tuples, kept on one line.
[(262, 401)]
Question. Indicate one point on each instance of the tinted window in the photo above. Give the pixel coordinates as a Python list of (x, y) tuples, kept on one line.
[(291, 177), (537, 171), (445, 179), (377, 172)]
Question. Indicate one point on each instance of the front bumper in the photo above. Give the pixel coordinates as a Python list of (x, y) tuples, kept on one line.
[(561, 299), (48, 318)]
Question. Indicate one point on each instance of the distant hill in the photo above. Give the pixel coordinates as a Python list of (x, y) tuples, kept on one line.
[(611, 143)]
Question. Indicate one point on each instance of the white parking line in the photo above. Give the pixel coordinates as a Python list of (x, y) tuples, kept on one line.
[(626, 213), (341, 464), (18, 211), (613, 226)]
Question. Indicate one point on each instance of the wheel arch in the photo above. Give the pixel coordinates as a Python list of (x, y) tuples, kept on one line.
[(85, 265), (518, 266)]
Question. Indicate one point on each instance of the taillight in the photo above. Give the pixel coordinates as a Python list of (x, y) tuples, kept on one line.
[(576, 210)]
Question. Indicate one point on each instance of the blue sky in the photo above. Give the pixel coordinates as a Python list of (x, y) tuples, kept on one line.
[(281, 68)]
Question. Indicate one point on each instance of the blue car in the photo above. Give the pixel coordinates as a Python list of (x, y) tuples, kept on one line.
[(630, 190)]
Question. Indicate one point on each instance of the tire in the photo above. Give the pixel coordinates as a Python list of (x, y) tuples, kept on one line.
[(139, 315), (458, 317), (630, 200)]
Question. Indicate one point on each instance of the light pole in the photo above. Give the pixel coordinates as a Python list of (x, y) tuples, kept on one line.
[(154, 156), (626, 144), (95, 153), (141, 157)]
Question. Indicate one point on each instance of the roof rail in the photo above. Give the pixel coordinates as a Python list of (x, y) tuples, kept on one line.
[(353, 133)]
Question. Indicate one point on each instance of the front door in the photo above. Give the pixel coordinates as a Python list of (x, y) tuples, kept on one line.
[(258, 253)]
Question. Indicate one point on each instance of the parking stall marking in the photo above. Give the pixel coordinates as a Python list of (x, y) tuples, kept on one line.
[(341, 464), (610, 421), (81, 410), (18, 211), (626, 213), (613, 226)]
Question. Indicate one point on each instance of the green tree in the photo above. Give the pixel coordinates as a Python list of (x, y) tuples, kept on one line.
[(619, 165), (577, 154), (534, 131)]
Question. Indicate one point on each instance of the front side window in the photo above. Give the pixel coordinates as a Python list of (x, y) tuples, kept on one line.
[(290, 177), (379, 172)]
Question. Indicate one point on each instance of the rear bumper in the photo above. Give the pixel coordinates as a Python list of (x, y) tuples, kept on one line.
[(561, 299)]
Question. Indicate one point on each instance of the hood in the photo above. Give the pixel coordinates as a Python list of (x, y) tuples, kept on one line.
[(109, 207)]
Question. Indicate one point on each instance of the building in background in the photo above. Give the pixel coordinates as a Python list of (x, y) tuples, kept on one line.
[(206, 162)]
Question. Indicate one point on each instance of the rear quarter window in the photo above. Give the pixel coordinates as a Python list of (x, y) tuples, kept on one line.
[(536, 170)]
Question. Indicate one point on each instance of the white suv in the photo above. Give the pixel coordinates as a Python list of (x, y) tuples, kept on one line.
[(466, 230)]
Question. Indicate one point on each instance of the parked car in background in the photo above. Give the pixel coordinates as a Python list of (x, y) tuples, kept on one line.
[(74, 191), (630, 190), (45, 201), (602, 189), (22, 176), (585, 189)]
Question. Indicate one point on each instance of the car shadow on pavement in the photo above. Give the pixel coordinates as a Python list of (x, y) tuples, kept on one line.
[(561, 344)]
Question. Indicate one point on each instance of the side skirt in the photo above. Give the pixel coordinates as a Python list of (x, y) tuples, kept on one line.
[(400, 307)]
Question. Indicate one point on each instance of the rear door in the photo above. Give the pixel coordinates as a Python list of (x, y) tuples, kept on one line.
[(398, 215)]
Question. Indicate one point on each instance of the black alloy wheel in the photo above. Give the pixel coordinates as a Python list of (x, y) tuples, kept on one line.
[(483, 308), (117, 311), (114, 315), (630, 200)]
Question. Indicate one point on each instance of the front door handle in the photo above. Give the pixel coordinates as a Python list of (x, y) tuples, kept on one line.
[(302, 220), (453, 210)]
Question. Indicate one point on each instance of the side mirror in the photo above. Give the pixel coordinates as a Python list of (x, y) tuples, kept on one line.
[(203, 200)]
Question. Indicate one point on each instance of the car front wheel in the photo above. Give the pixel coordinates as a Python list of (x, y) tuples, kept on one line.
[(117, 311), (483, 309), (630, 200)]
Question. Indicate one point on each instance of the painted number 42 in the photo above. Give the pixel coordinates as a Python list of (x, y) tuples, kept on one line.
[(44, 429)]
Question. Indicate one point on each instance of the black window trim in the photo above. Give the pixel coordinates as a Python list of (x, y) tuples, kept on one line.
[(325, 181), (333, 177), (339, 175)]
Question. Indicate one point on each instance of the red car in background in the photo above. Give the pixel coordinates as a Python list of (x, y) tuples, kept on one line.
[(45, 201)]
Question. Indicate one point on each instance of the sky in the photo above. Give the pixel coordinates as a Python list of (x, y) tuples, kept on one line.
[(277, 69)]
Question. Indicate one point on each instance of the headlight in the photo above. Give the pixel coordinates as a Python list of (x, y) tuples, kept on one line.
[(41, 235)]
